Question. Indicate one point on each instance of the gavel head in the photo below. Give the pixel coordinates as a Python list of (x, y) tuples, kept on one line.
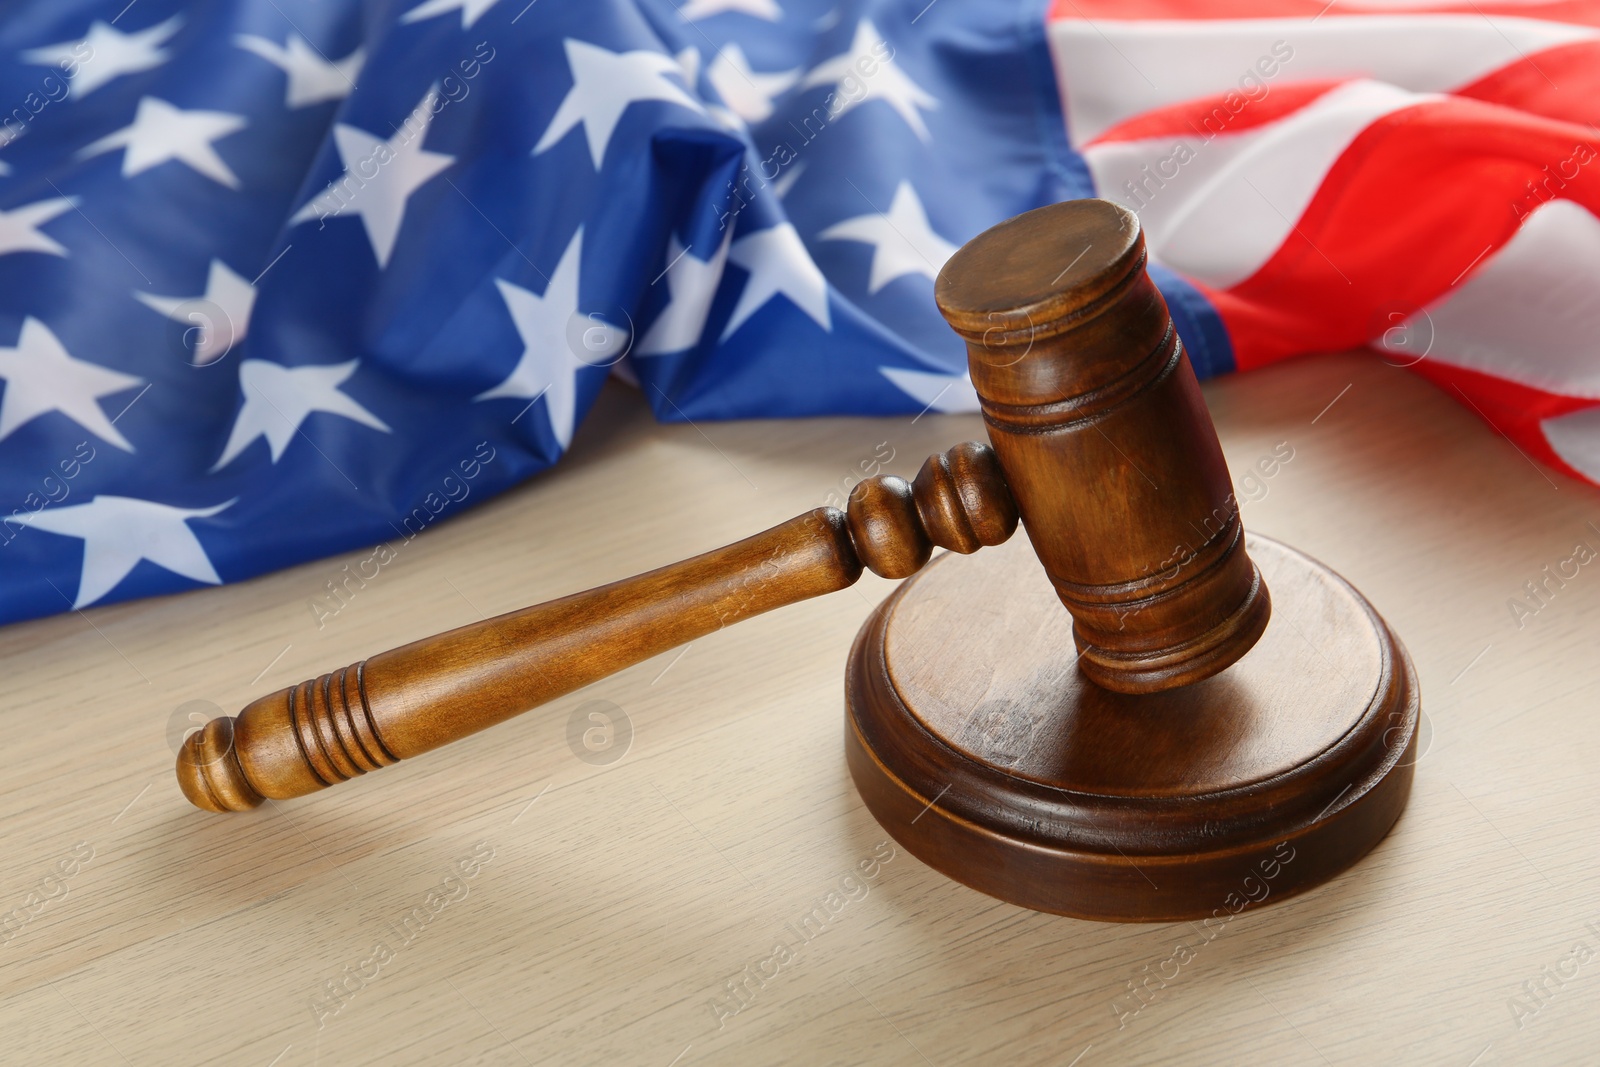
[(1098, 421)]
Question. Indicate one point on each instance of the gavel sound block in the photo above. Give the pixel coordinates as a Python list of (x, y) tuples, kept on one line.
[(1108, 726)]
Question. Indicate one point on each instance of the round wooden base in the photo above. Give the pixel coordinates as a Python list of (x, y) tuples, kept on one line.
[(977, 744)]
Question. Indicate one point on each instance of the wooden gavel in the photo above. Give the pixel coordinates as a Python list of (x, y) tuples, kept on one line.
[(1167, 755), (1102, 445)]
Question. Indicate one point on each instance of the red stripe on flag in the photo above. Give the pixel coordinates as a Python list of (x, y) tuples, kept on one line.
[(1416, 202), (1513, 409), (1562, 82), (1230, 112), (1419, 198), (1579, 12)]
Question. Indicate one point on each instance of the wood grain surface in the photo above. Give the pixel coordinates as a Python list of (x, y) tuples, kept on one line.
[(682, 873)]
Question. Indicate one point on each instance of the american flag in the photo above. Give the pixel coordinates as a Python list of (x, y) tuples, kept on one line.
[(281, 278)]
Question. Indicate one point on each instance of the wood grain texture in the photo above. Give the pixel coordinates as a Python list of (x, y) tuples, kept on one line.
[(622, 899), (1093, 409), (978, 745)]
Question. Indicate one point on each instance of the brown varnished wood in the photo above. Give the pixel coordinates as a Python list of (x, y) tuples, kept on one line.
[(415, 698), (1162, 749), (1094, 410), (1153, 760), (977, 744)]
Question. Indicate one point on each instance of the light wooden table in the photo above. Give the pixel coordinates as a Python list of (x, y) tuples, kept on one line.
[(608, 906)]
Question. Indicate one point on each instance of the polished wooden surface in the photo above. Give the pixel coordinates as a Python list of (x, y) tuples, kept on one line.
[(979, 746), (575, 910)]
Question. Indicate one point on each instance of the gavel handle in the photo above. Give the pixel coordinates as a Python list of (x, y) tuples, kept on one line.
[(417, 697)]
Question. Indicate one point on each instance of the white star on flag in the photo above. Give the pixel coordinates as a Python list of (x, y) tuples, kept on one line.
[(19, 227), (604, 84), (786, 180), (749, 94), (553, 333), (106, 53), (41, 377), (902, 240), (778, 263), (471, 10), (7, 135), (232, 299), (688, 60), (692, 285), (944, 393), (694, 10), (119, 531), (888, 82), (161, 132), (278, 399), (400, 167), (312, 77)]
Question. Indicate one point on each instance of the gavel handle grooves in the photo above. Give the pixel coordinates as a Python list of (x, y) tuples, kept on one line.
[(411, 699)]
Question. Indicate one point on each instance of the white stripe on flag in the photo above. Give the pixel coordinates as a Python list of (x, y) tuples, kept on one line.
[(1228, 209), (1576, 439), (1110, 70), (1527, 313)]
